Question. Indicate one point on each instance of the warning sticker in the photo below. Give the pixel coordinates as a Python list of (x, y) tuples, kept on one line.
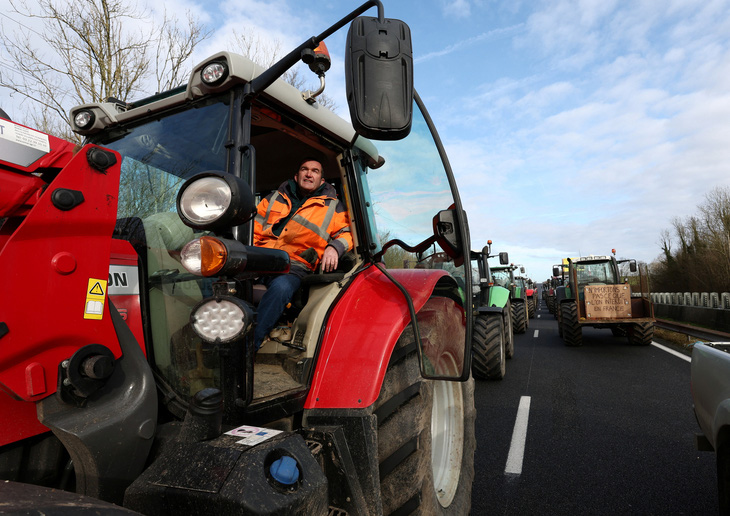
[(20, 145), (95, 297), (252, 434)]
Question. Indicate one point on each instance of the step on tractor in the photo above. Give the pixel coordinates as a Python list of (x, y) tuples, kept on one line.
[(493, 339), (128, 370), (504, 276), (596, 293)]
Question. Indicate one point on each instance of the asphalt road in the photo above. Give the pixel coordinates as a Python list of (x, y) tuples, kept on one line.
[(609, 429)]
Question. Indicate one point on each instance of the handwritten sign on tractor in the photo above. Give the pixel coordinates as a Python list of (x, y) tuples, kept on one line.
[(608, 301)]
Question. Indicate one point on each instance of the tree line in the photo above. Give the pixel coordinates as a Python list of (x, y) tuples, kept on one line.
[(696, 250)]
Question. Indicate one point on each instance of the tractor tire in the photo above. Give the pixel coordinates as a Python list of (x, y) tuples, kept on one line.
[(560, 320), (531, 308), (572, 332), (509, 336), (426, 438), (488, 360), (519, 319), (641, 334)]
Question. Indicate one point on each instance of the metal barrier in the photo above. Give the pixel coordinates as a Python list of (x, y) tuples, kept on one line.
[(719, 300)]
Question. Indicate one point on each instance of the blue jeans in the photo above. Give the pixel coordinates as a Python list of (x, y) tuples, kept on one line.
[(280, 290)]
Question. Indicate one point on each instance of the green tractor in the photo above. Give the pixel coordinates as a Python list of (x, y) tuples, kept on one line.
[(492, 339), (594, 294), (504, 276)]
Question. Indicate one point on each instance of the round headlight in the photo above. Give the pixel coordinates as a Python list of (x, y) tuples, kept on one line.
[(221, 319), (214, 72), (83, 119), (205, 200)]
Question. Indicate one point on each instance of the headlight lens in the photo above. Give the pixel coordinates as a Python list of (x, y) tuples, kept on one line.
[(204, 256), (221, 319), (205, 200), (213, 73), (84, 118)]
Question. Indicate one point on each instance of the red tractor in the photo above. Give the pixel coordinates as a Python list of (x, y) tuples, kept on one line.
[(127, 368)]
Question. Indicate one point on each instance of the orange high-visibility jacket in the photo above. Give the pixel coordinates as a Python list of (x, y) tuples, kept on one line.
[(321, 221)]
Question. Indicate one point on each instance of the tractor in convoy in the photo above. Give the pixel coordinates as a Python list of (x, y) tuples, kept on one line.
[(531, 294), (504, 276), (550, 289), (493, 339), (130, 283), (594, 293)]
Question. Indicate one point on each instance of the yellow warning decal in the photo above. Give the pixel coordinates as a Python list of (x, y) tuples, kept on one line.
[(95, 297)]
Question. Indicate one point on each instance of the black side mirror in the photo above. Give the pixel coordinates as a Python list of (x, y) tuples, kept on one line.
[(632, 266), (445, 229), (557, 270), (503, 258), (379, 78)]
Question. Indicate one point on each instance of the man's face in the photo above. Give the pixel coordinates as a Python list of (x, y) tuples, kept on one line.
[(309, 176)]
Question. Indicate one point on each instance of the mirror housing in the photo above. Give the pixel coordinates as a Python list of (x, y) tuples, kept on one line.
[(503, 258), (632, 266), (445, 229), (557, 270), (379, 78)]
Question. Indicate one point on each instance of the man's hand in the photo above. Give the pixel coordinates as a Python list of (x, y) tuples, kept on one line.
[(329, 259)]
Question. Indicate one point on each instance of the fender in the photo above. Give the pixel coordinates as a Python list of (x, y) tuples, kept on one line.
[(498, 296), (360, 335)]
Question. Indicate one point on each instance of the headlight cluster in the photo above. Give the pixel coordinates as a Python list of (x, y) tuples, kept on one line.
[(221, 319)]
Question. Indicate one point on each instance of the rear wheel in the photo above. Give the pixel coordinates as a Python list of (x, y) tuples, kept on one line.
[(509, 337), (641, 334), (572, 332), (519, 319), (489, 360), (426, 438), (530, 308)]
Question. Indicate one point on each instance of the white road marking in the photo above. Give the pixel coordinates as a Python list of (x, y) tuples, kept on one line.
[(538, 316), (536, 332), (672, 352), (519, 436)]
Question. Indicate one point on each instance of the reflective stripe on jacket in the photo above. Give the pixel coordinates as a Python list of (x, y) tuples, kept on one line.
[(322, 220)]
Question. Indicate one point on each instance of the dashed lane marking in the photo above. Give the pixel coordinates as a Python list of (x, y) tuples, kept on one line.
[(536, 332), (516, 454)]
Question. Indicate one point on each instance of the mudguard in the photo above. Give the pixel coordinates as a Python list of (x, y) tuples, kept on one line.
[(498, 296), (361, 333)]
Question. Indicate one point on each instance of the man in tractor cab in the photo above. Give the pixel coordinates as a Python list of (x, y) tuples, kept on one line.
[(305, 219)]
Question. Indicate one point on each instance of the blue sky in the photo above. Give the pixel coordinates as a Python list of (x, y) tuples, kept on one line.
[(573, 127)]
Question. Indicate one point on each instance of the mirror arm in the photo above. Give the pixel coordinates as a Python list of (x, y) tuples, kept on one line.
[(266, 79), (418, 249)]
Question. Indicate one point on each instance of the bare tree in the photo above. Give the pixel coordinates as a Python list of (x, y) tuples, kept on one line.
[(267, 52), (89, 50)]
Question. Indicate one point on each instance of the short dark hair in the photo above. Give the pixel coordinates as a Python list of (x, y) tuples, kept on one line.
[(311, 158)]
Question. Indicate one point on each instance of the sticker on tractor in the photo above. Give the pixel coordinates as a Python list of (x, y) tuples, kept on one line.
[(252, 434), (95, 297), (20, 145)]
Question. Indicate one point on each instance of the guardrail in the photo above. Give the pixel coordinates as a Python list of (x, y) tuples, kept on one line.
[(697, 299)]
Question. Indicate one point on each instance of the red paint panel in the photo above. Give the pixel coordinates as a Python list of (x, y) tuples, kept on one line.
[(361, 333), (44, 296)]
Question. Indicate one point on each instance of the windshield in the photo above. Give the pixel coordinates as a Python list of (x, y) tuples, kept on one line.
[(595, 273), (157, 156), (501, 278)]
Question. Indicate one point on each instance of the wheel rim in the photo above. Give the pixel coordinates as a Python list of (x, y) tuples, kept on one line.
[(447, 438)]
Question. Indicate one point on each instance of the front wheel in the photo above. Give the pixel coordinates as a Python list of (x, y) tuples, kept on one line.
[(426, 438)]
